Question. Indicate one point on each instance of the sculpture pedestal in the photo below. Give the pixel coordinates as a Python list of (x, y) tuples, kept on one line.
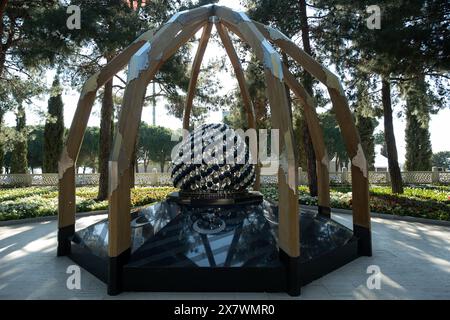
[(168, 254)]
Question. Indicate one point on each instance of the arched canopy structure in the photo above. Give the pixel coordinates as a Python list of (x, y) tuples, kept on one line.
[(145, 56)]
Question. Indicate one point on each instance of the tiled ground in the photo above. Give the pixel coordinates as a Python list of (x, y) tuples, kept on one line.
[(414, 260)]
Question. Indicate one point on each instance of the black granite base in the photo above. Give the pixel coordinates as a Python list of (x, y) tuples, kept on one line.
[(65, 235), (169, 254)]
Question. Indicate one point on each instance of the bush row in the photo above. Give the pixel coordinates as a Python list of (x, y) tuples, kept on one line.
[(432, 203), (32, 202)]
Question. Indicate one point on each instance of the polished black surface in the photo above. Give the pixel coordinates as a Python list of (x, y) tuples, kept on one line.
[(163, 236)]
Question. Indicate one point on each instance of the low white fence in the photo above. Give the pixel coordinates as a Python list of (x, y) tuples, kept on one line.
[(163, 179)]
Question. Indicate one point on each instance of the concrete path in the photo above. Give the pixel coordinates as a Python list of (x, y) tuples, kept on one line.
[(414, 260)]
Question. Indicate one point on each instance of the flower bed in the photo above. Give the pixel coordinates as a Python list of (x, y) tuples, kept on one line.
[(21, 203), (424, 202)]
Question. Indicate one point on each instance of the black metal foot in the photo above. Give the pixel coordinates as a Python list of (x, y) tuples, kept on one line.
[(324, 211), (292, 264), (65, 235), (364, 240), (115, 272)]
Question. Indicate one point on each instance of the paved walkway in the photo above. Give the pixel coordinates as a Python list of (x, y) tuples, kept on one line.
[(414, 260)]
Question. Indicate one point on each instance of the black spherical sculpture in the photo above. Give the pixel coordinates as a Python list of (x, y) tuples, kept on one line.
[(213, 160)]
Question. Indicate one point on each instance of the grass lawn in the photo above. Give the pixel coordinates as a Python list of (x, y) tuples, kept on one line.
[(432, 202)]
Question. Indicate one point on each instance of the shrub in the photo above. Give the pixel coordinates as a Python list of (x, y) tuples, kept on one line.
[(14, 193), (20, 203), (424, 202), (430, 202)]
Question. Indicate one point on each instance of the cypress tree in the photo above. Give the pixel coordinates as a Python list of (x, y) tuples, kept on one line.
[(54, 130), (417, 135), (366, 126), (19, 163)]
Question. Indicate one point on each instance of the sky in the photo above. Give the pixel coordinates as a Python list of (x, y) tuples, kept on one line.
[(439, 124)]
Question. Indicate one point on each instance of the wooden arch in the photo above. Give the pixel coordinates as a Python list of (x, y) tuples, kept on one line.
[(145, 56)]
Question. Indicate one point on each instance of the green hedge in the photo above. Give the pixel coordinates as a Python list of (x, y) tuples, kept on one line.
[(424, 202)]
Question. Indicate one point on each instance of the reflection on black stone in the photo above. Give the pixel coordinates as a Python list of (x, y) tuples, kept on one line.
[(247, 240), (163, 236)]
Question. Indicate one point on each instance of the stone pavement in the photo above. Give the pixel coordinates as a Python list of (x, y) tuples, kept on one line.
[(414, 259)]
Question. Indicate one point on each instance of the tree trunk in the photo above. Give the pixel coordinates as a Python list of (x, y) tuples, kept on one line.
[(308, 82), (394, 169), (106, 124), (162, 165)]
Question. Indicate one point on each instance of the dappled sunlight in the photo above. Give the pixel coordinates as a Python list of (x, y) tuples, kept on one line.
[(413, 258), (12, 231), (440, 263)]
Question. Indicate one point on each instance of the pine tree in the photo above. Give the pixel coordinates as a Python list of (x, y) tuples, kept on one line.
[(19, 162), (412, 37), (54, 129)]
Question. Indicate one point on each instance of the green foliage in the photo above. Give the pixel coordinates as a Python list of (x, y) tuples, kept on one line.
[(54, 129), (88, 156), (254, 75), (366, 127), (16, 193), (417, 135), (144, 195), (32, 202), (155, 144), (14, 93), (333, 138), (35, 146), (430, 203), (365, 117), (425, 202), (441, 159), (19, 162), (409, 45)]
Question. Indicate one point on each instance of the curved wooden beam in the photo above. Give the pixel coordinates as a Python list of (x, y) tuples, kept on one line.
[(360, 182), (194, 74), (234, 59), (315, 131), (248, 105), (69, 155), (288, 228), (142, 69)]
